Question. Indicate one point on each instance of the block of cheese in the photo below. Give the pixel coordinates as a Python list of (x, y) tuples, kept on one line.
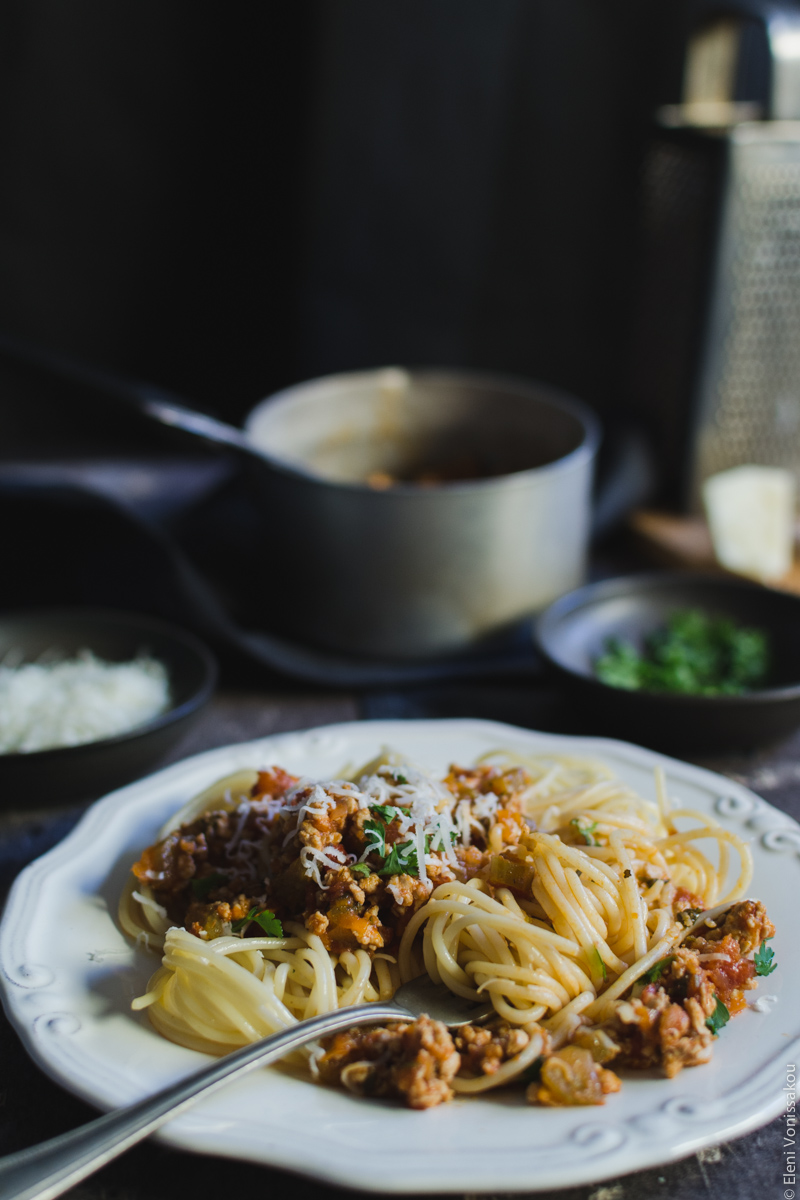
[(751, 515)]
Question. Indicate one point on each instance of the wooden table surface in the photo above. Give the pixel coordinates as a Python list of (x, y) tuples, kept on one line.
[(32, 1108)]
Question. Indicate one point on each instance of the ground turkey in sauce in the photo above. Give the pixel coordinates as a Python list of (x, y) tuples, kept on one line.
[(665, 1025), (217, 868), (484, 1048), (413, 1062)]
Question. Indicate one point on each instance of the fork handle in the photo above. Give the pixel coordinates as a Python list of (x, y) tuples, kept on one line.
[(44, 1171)]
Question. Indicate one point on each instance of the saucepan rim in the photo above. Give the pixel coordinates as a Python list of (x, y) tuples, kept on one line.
[(557, 399)]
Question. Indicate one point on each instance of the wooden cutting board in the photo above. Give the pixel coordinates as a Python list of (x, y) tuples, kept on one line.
[(678, 541)]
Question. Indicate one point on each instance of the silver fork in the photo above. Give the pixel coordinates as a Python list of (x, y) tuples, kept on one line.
[(45, 1171)]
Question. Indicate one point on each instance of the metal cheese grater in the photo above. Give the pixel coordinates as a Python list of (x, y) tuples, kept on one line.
[(717, 343)]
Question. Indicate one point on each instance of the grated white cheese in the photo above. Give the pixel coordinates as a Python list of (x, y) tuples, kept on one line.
[(464, 821), (317, 804), (236, 848), (419, 838), (422, 812), (332, 858), (70, 702), (485, 806)]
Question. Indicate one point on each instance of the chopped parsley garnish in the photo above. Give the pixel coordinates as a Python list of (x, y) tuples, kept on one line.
[(718, 1018), (585, 830), (360, 869), (689, 916), (389, 812), (763, 958), (375, 834), (269, 923), (264, 917), (401, 860), (399, 778), (202, 887), (658, 969), (693, 653), (435, 841)]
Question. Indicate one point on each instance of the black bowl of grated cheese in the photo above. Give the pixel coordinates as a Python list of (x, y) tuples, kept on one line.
[(92, 699)]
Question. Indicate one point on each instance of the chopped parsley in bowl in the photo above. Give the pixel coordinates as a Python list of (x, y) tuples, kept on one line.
[(694, 652), (677, 661)]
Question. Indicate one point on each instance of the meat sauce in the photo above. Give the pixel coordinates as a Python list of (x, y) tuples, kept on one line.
[(217, 868), (326, 866)]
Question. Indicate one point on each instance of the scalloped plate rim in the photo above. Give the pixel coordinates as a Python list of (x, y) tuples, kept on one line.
[(622, 1146)]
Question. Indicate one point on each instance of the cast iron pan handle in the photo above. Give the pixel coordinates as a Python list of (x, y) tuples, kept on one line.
[(150, 402), (626, 469)]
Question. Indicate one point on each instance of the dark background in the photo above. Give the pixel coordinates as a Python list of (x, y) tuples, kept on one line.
[(227, 199)]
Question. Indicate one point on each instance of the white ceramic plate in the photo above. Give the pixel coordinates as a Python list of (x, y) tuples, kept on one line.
[(68, 976)]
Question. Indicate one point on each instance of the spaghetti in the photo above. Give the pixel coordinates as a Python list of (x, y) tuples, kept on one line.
[(543, 882)]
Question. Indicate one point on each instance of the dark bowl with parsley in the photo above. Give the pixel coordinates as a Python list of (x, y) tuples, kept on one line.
[(677, 661)]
